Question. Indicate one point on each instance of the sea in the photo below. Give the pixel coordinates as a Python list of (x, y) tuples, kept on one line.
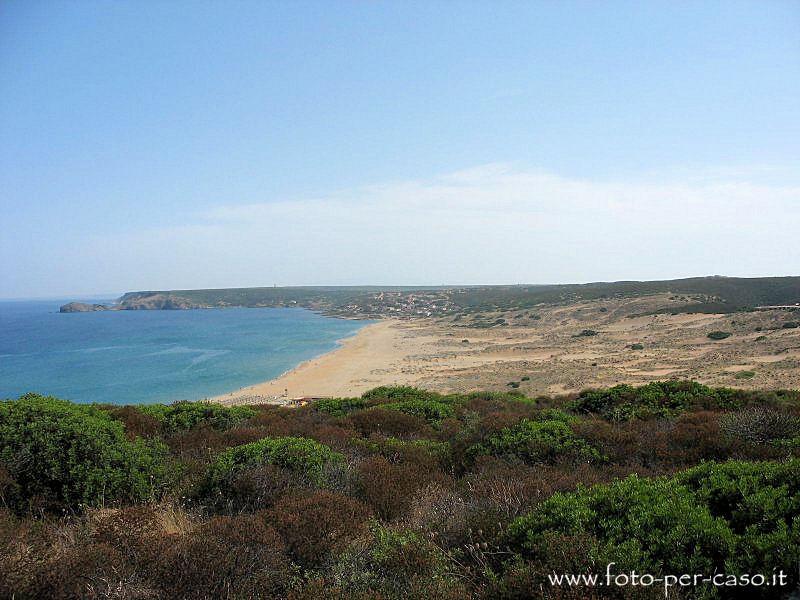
[(148, 356)]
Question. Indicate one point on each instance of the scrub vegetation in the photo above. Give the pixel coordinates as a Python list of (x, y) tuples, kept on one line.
[(401, 493)]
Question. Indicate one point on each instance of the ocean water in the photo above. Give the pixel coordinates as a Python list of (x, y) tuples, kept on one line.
[(131, 357)]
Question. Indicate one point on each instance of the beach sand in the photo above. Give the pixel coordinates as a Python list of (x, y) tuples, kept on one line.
[(360, 363), (545, 355)]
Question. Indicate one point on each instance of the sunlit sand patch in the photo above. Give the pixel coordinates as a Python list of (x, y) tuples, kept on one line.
[(738, 368), (657, 372), (580, 355), (773, 358)]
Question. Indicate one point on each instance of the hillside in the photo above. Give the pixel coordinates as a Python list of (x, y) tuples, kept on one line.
[(696, 294)]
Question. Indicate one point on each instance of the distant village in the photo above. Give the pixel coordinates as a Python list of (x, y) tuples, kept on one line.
[(424, 303)]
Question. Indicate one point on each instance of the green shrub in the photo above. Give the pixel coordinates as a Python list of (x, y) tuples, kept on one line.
[(719, 335), (537, 442), (637, 346), (399, 393), (760, 425), (791, 325), (744, 375), (393, 448), (658, 398), (76, 454), (656, 524), (586, 333), (510, 396), (733, 517), (339, 407), (759, 501), (433, 411), (395, 563), (305, 457), (183, 415)]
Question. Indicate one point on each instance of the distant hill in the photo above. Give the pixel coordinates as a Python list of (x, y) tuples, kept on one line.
[(701, 294)]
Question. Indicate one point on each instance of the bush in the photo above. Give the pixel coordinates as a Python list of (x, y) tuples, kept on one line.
[(396, 450), (85, 571), (317, 525), (183, 416), (747, 494), (228, 558), (389, 422), (734, 517), (431, 410), (398, 393), (761, 425), (394, 564), (744, 375), (637, 346), (659, 398), (128, 530), (535, 442), (339, 407), (759, 503), (657, 525), (791, 325), (304, 457), (137, 423), (388, 488), (74, 454), (586, 333), (719, 335)]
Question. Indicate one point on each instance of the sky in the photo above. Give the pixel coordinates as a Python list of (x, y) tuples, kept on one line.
[(173, 145)]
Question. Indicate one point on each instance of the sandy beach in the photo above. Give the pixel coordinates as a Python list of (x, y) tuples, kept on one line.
[(356, 366), (546, 353)]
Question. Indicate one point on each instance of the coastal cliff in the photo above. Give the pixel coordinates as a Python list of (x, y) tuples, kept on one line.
[(73, 307), (136, 302)]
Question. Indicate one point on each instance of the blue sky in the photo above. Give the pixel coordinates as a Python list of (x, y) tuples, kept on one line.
[(210, 144)]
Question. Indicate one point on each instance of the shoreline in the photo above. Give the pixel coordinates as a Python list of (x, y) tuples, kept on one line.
[(341, 371)]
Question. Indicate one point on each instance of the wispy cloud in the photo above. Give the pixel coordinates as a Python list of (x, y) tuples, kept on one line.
[(494, 223)]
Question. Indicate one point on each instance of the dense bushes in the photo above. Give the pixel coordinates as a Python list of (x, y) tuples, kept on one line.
[(227, 557), (537, 442), (318, 525), (654, 523), (399, 393), (57, 452), (399, 494), (761, 425), (660, 398), (719, 335), (437, 454), (304, 457), (183, 416), (430, 410), (720, 517), (339, 407)]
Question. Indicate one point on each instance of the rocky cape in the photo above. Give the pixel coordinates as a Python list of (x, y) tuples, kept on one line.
[(150, 302)]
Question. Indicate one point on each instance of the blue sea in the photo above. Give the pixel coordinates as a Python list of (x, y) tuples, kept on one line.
[(131, 357)]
